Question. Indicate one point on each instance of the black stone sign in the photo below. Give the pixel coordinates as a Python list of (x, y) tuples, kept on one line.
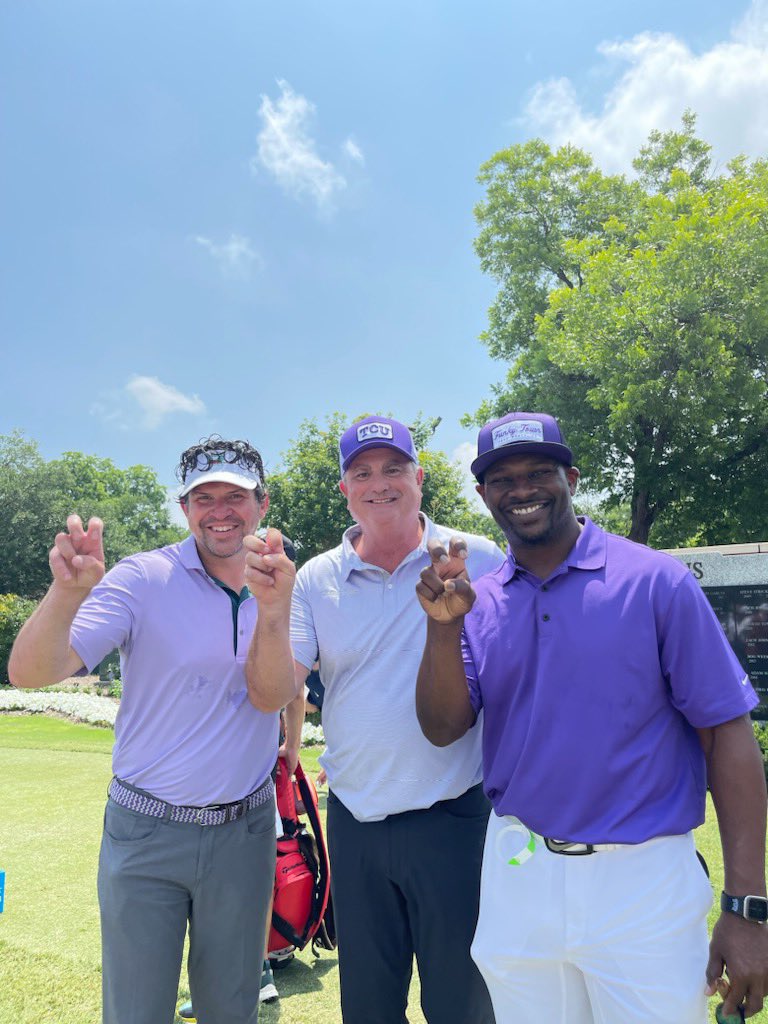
[(735, 579), (743, 614)]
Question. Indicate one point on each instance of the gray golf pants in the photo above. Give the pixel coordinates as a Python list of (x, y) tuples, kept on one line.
[(154, 877)]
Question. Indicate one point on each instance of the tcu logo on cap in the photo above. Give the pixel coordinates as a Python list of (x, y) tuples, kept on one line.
[(371, 430)]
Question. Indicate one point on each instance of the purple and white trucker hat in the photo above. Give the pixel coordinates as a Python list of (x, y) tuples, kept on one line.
[(520, 433), (375, 432)]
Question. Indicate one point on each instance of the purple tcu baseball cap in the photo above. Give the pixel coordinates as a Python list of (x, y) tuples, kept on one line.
[(520, 433), (375, 432)]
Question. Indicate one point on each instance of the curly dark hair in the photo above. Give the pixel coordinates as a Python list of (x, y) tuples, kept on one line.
[(215, 449)]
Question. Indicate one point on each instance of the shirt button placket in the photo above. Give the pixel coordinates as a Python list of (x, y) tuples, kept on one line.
[(545, 618)]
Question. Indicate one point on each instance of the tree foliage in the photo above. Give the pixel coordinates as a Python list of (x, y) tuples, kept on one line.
[(637, 312), (37, 496), (14, 612), (306, 504)]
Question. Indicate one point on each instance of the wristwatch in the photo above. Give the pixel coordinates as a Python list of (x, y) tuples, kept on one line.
[(753, 908)]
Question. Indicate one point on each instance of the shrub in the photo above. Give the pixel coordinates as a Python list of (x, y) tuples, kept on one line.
[(14, 612), (761, 735)]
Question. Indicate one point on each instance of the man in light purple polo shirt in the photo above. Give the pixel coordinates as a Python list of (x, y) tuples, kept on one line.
[(611, 698), (189, 834)]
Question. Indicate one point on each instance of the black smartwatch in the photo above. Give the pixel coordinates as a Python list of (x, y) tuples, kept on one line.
[(753, 908)]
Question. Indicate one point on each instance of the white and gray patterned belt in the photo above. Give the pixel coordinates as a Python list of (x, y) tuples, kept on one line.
[(125, 795)]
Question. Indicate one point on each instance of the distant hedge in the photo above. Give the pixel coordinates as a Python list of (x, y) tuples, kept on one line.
[(761, 734), (14, 612)]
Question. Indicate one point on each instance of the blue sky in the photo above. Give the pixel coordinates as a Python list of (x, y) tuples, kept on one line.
[(234, 216)]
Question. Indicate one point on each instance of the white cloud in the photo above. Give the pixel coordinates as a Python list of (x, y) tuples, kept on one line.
[(288, 151), (156, 402), (659, 77), (353, 151), (235, 257)]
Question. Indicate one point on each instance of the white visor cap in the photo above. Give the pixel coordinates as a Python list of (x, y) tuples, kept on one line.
[(233, 474)]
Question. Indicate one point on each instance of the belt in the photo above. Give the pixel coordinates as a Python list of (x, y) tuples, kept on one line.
[(125, 795), (578, 849)]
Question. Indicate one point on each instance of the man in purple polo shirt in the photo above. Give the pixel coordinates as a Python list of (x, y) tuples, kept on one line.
[(611, 698), (189, 833)]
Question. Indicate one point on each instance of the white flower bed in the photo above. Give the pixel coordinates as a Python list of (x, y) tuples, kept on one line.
[(311, 734), (85, 707), (82, 707)]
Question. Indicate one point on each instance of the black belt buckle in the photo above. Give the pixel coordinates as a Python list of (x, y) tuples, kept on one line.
[(566, 848)]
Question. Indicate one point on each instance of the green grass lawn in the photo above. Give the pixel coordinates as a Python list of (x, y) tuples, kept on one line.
[(53, 780)]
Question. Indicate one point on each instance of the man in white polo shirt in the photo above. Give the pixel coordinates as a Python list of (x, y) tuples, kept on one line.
[(406, 821)]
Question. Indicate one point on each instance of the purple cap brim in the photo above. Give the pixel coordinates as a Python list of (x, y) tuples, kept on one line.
[(374, 443)]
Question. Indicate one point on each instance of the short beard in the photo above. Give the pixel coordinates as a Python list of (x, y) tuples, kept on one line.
[(228, 554)]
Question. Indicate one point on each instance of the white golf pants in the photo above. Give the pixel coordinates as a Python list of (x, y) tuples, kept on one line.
[(618, 936)]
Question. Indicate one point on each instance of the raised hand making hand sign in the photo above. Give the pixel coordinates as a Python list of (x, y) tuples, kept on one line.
[(77, 557), (444, 591), (269, 572)]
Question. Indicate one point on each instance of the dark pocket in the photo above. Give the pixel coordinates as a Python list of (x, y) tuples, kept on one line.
[(262, 818), (125, 826)]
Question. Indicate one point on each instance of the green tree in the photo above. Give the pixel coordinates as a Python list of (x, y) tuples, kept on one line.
[(37, 496), (14, 612), (637, 312), (306, 504), (132, 502)]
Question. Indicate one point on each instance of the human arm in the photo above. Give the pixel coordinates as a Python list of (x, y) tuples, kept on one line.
[(42, 653), (443, 706), (294, 720), (269, 668), (737, 783)]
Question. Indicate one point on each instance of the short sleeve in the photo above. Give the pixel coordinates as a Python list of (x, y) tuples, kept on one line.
[(470, 672), (303, 634), (708, 685), (106, 618)]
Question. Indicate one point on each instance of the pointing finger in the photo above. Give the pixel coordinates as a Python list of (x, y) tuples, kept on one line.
[(458, 547), (437, 552), (274, 539), (75, 528), (95, 527)]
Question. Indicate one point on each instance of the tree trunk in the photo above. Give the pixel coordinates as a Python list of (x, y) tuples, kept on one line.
[(643, 515)]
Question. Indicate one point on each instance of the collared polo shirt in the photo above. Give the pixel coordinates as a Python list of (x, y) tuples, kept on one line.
[(592, 684), (368, 628), (185, 731)]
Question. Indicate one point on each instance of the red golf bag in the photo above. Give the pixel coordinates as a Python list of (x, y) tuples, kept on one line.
[(302, 902)]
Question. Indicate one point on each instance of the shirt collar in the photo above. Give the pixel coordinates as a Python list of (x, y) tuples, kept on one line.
[(351, 561), (588, 553), (189, 555), (190, 559)]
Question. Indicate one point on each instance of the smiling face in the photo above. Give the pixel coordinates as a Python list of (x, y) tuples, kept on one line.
[(382, 486), (530, 499), (219, 516)]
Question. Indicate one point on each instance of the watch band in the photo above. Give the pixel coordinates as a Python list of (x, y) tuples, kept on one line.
[(752, 908)]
